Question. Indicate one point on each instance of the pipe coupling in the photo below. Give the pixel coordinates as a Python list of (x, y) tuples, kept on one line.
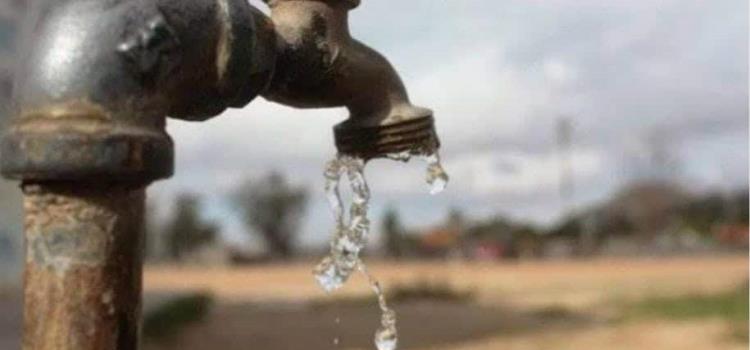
[(415, 137), (98, 79)]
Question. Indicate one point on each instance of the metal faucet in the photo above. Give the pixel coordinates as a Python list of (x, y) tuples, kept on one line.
[(321, 65), (95, 83)]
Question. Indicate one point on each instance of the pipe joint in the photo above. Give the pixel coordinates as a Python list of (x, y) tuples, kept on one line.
[(98, 78)]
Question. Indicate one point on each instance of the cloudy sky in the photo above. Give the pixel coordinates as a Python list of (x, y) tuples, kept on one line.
[(632, 76)]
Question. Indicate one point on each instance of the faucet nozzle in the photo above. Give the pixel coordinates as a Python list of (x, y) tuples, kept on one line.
[(415, 137)]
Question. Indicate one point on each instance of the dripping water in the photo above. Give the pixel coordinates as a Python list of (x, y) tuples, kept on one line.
[(350, 235)]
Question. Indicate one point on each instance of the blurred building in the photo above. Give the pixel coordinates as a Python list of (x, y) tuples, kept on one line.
[(653, 218), (439, 242)]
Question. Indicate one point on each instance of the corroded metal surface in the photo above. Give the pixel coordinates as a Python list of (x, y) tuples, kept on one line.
[(80, 142), (83, 267), (415, 136), (130, 64), (99, 78), (321, 65)]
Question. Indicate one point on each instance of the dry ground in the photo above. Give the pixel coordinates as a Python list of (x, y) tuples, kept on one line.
[(534, 305), (570, 283)]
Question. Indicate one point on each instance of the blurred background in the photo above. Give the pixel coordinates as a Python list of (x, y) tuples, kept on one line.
[(598, 154)]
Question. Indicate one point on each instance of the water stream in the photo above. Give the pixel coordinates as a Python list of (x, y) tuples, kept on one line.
[(350, 235)]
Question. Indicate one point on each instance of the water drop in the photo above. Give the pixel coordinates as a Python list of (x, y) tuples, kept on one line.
[(437, 178), (404, 156), (329, 275), (386, 339)]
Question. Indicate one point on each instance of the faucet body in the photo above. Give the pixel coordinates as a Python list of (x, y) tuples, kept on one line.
[(97, 79)]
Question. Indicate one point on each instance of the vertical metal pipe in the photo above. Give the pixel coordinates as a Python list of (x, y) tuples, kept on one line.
[(82, 282)]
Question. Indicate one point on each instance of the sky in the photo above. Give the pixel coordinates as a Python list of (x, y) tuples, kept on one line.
[(631, 76)]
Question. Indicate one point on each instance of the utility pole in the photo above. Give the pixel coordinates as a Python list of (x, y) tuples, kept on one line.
[(567, 184), (565, 170)]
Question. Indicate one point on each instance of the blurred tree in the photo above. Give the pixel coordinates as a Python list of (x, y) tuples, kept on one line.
[(704, 212), (150, 245), (742, 201), (187, 231), (651, 207), (519, 239), (156, 236), (527, 242), (274, 209), (456, 219), (393, 233)]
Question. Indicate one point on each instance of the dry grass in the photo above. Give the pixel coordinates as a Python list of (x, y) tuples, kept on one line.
[(573, 283), (534, 305)]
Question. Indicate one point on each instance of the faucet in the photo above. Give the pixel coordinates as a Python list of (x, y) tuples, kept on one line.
[(95, 83), (320, 65)]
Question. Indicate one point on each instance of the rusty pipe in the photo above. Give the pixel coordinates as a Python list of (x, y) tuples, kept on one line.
[(320, 65), (96, 81), (83, 270)]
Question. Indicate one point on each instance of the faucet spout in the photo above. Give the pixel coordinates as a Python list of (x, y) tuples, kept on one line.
[(320, 65)]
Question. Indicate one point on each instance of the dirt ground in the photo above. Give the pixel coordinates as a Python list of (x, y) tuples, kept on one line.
[(518, 306)]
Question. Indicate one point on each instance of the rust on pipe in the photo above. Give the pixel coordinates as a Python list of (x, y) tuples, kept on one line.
[(83, 266)]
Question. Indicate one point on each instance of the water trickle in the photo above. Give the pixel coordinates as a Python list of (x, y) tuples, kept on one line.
[(349, 238), (386, 337), (350, 235), (437, 178), (337, 340), (404, 156)]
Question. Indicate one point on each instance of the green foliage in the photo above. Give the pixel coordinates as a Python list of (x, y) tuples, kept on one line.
[(187, 230), (521, 239), (703, 213), (554, 312), (166, 321), (731, 306), (497, 229), (393, 233), (427, 290), (274, 209), (422, 290)]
